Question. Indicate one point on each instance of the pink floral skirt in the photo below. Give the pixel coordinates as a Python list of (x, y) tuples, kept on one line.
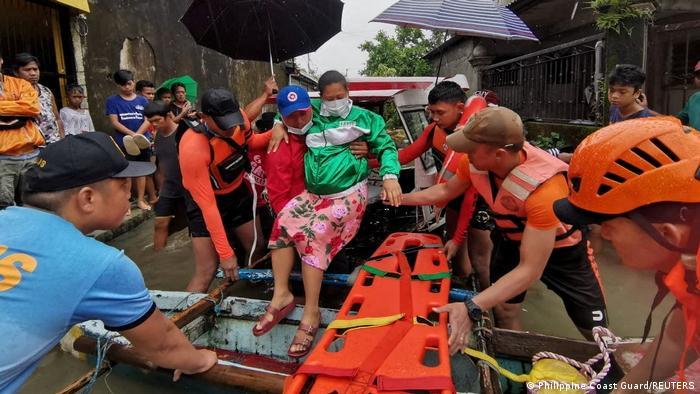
[(319, 227)]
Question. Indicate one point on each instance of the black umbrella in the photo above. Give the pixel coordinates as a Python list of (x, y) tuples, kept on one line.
[(274, 30)]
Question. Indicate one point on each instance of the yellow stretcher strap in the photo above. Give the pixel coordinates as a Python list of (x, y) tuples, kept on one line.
[(493, 363), (365, 322)]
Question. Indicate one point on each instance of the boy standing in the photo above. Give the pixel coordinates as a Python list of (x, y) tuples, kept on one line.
[(125, 111), (625, 93), (75, 119), (171, 203), (146, 89)]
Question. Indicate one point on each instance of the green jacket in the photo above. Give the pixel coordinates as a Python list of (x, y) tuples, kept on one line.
[(329, 165)]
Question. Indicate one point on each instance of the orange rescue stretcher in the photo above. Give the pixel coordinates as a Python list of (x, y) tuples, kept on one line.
[(386, 337)]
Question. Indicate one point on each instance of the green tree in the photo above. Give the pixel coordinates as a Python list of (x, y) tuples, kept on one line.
[(400, 54)]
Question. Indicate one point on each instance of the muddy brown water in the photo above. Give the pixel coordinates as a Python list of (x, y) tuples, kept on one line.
[(629, 294)]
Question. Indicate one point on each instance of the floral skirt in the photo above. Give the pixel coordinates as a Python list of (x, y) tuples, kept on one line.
[(319, 227)]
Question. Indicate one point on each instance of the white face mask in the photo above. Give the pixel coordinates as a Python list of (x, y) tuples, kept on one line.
[(340, 107), (302, 130)]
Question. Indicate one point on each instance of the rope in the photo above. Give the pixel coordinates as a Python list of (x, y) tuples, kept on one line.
[(603, 337), (102, 349), (255, 210), (600, 334)]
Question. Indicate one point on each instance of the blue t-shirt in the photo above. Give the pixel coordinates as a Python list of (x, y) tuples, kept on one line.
[(616, 116), (48, 284), (129, 113)]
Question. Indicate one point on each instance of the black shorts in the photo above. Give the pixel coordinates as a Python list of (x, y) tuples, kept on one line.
[(481, 219), (170, 206), (569, 273), (235, 208)]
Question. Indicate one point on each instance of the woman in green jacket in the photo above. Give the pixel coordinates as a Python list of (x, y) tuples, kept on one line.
[(319, 222)]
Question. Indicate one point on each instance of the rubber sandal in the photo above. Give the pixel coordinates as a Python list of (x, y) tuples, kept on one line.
[(306, 331), (141, 141), (130, 146), (277, 316)]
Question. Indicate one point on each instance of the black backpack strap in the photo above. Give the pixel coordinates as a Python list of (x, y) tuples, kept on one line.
[(197, 125), (233, 144), (660, 295)]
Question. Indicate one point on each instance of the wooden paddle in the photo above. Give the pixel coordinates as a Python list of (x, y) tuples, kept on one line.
[(180, 320)]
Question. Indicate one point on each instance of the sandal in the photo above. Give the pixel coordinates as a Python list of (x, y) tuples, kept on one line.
[(277, 315), (304, 332), (141, 141), (130, 146)]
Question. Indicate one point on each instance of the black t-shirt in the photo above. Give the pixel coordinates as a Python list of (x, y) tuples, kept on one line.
[(167, 154)]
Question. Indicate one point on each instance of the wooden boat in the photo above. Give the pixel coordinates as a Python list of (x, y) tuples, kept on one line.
[(261, 363)]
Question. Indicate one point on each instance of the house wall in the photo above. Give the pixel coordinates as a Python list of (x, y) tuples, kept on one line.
[(147, 37), (455, 60)]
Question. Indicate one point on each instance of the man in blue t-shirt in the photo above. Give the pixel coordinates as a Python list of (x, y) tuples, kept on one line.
[(48, 284), (125, 112)]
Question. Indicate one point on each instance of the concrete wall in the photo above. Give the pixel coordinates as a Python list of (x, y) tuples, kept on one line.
[(147, 37), (455, 60)]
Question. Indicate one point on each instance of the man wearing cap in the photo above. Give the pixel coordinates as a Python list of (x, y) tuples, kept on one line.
[(519, 182), (691, 113), (214, 160), (649, 210), (47, 284)]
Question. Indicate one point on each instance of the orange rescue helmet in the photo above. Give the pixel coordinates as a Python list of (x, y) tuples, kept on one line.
[(629, 165)]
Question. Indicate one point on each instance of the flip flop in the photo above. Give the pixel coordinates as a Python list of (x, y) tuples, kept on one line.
[(141, 141), (277, 316), (304, 332), (130, 146)]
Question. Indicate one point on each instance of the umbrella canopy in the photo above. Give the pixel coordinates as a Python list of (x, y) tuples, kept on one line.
[(190, 86), (481, 18), (263, 29)]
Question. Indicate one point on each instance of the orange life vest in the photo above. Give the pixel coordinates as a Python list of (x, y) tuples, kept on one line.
[(684, 282), (229, 156), (508, 206)]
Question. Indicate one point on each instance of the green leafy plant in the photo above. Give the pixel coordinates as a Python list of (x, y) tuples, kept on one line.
[(400, 54), (612, 14), (548, 141)]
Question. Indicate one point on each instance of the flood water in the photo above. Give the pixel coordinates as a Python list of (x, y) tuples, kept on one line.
[(629, 294)]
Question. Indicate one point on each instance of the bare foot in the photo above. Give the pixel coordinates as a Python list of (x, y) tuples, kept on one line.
[(153, 201), (143, 205), (277, 303)]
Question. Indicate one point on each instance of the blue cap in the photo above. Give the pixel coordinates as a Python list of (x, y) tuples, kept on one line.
[(292, 98)]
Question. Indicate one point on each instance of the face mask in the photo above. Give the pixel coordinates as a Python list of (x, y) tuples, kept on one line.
[(340, 107), (300, 131)]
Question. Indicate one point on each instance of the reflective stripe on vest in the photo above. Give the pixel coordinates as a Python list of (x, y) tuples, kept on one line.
[(508, 206)]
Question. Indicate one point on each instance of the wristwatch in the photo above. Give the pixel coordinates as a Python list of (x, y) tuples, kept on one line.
[(474, 311)]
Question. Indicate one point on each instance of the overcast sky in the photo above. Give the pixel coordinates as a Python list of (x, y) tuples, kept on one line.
[(341, 52)]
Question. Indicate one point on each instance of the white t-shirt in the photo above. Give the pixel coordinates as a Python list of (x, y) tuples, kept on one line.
[(76, 122)]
